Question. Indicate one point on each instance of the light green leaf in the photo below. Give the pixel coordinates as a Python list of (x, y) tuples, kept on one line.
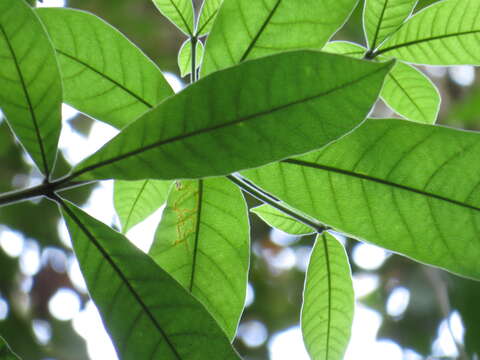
[(136, 200), (185, 57), (104, 74), (381, 18), (328, 300), (408, 187), (445, 33), (30, 84), (203, 241), (277, 219), (411, 94), (345, 48), (179, 12), (148, 314), (243, 117), (5, 352), (207, 17), (246, 29)]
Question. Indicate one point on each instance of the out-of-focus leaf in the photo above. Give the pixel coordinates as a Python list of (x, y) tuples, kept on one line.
[(408, 187), (381, 18), (203, 241), (243, 117), (445, 33), (5, 352), (207, 16), (136, 200), (246, 29), (411, 94), (104, 74), (328, 301), (277, 219), (179, 12), (185, 57), (148, 314), (30, 84)]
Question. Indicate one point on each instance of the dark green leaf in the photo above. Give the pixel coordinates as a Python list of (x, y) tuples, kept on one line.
[(328, 300), (243, 117), (136, 200), (381, 18), (104, 74), (30, 84), (203, 241), (5, 352), (179, 12), (408, 187), (148, 314), (277, 219), (445, 33), (246, 29)]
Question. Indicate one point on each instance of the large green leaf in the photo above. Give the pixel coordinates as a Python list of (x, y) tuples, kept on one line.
[(136, 200), (203, 241), (328, 300), (277, 219), (408, 187), (148, 314), (30, 84), (242, 117), (411, 94), (445, 33), (5, 352), (207, 16), (104, 74), (381, 18), (246, 29), (179, 12)]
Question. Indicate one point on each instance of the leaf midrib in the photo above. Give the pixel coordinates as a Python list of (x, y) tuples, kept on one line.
[(379, 25), (379, 181), (221, 126)]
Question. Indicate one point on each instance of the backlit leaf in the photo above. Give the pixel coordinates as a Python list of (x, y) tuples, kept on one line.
[(179, 12), (408, 187), (185, 57), (203, 241), (104, 74), (243, 117), (277, 219), (30, 84), (208, 14), (147, 313), (328, 300)]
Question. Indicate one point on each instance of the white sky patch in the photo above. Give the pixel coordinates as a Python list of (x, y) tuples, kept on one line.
[(143, 234), (175, 82), (302, 254), (369, 257), (100, 203), (4, 309), (463, 75), (253, 333), (250, 296), (288, 345), (364, 284), (75, 275), (51, 3), (436, 71), (281, 238), (11, 242), (445, 345), (30, 258), (398, 301), (42, 331), (64, 304)]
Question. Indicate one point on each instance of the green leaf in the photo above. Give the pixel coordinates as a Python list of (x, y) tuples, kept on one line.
[(104, 74), (207, 17), (445, 33), (408, 187), (30, 84), (5, 352), (328, 300), (203, 241), (148, 314), (345, 48), (411, 94), (247, 29), (179, 12), (243, 117), (185, 57), (381, 18), (136, 200), (277, 219)]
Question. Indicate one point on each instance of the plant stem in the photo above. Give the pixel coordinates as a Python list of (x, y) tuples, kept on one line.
[(193, 74), (263, 197)]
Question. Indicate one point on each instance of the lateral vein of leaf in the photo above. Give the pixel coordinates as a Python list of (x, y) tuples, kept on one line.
[(219, 126), (190, 32), (407, 94), (379, 24), (130, 92), (380, 181), (29, 102), (418, 41), (260, 32), (137, 197), (210, 18), (197, 234), (120, 274)]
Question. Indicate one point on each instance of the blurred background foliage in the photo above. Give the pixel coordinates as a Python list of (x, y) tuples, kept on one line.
[(38, 270)]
